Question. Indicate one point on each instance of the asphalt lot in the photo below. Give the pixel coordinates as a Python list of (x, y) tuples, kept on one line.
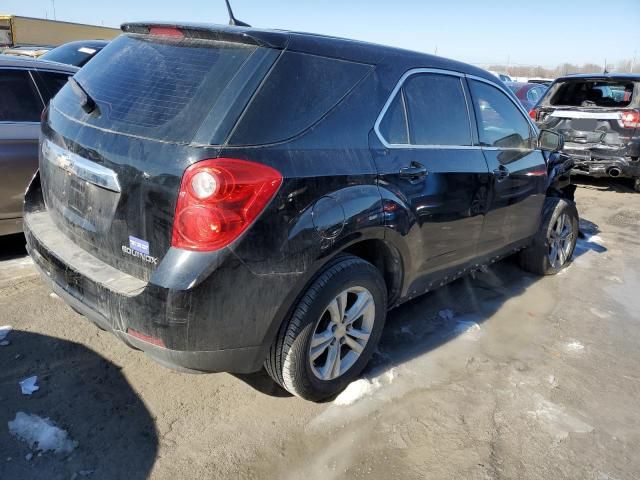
[(504, 375)]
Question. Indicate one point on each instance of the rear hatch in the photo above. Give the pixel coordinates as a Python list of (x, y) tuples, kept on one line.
[(118, 137), (592, 113)]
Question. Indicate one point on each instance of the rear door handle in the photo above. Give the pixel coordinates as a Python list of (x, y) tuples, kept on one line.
[(415, 171), (501, 173)]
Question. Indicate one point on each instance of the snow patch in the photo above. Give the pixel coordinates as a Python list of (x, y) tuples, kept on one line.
[(363, 387), (467, 329), (599, 313), (4, 331), (28, 385), (41, 433), (597, 239), (559, 421), (574, 346)]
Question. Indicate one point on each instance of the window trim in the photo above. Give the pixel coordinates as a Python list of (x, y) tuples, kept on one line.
[(394, 92)]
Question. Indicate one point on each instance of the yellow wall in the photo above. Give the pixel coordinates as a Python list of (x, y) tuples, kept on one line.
[(36, 31)]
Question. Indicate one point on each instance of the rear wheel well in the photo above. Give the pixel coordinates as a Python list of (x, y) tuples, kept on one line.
[(386, 259)]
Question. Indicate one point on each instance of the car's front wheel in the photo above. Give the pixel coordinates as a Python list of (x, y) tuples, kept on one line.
[(333, 331), (553, 245)]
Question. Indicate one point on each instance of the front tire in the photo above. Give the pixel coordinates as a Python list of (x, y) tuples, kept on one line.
[(555, 242), (636, 184), (333, 331)]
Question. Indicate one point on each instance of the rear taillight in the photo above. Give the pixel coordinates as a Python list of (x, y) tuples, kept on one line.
[(533, 113), (219, 199), (630, 119)]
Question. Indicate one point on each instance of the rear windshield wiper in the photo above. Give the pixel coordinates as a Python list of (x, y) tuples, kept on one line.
[(87, 103)]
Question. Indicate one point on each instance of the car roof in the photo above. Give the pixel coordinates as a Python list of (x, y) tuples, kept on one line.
[(601, 76), (85, 43), (336, 47), (25, 62)]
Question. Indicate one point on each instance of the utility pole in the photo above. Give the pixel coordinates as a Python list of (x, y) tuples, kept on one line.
[(53, 3)]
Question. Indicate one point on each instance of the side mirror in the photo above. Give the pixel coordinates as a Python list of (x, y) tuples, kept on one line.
[(550, 140)]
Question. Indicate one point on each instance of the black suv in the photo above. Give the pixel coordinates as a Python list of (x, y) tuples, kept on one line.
[(599, 116), (225, 198)]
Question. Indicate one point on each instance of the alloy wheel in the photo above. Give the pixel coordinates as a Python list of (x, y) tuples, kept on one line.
[(342, 333), (560, 241)]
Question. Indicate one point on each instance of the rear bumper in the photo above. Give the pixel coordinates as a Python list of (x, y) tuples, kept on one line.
[(119, 304), (605, 161)]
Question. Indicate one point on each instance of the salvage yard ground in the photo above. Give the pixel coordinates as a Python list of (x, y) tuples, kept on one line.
[(504, 375)]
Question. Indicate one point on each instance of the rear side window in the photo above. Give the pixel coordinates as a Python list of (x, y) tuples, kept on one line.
[(50, 83), (500, 122), (155, 87), (20, 101), (299, 91), (429, 109), (592, 93)]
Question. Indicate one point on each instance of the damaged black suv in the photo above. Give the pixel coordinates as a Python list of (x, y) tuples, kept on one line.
[(228, 198), (599, 116)]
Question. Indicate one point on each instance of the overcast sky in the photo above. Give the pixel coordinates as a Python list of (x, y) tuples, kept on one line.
[(541, 32)]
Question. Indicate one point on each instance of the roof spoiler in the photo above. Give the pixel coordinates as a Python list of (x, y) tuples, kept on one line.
[(224, 33)]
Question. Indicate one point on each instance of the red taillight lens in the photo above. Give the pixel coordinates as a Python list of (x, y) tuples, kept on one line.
[(533, 113), (630, 119), (166, 31), (219, 199)]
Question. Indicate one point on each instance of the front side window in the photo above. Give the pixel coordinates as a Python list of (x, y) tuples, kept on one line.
[(429, 109), (20, 101), (500, 122)]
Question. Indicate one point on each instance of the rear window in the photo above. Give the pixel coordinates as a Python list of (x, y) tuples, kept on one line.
[(592, 93), (155, 87)]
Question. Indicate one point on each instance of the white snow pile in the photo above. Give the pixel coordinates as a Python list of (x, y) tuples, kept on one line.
[(41, 433), (467, 329), (363, 387), (597, 239), (574, 346), (4, 331), (28, 385)]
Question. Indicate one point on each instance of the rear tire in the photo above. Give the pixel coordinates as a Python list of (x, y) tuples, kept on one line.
[(345, 303), (553, 245)]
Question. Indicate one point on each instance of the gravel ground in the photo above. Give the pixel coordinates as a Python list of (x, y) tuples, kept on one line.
[(504, 375)]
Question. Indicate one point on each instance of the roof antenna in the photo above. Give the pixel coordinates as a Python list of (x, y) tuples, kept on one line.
[(233, 20)]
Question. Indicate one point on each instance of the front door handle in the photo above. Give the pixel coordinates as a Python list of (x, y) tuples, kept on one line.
[(501, 173), (415, 171)]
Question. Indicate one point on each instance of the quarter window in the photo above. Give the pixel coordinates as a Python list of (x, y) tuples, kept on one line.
[(19, 98), (500, 123), (429, 109)]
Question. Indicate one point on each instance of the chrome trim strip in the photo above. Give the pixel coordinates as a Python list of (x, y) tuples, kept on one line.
[(589, 115), (392, 96), (81, 167)]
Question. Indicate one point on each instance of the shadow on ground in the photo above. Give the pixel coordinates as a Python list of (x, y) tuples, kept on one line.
[(12, 246), (427, 322), (82, 393), (619, 185)]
